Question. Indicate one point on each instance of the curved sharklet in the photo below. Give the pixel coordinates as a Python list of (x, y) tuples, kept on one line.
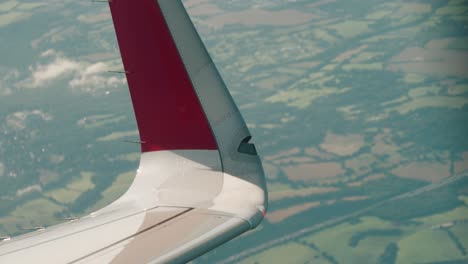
[(224, 117)]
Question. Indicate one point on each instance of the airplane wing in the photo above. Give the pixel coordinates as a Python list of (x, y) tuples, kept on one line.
[(200, 181)]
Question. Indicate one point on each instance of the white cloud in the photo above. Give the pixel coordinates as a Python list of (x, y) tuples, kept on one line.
[(33, 188), (6, 81), (2, 169), (95, 68), (82, 76), (4, 90), (49, 53), (18, 120), (95, 76), (43, 74), (57, 66)]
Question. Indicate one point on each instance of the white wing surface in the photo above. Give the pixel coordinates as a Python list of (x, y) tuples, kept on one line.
[(200, 182)]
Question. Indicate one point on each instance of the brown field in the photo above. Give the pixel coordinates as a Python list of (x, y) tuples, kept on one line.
[(56, 159), (367, 179), (383, 143), (355, 198), (413, 8), (431, 61), (426, 171), (362, 164), (292, 193), (271, 171), (343, 145), (462, 165), (205, 10), (313, 171), (190, 3), (285, 153), (458, 68), (280, 215), (439, 43), (273, 82), (253, 17), (321, 2), (350, 53), (46, 176), (314, 152), (303, 159)]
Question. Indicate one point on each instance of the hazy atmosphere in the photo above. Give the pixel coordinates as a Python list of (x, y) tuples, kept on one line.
[(359, 109)]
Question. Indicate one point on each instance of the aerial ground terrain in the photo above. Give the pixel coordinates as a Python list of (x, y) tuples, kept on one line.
[(359, 109)]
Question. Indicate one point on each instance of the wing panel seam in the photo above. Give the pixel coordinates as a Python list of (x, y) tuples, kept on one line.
[(134, 235)]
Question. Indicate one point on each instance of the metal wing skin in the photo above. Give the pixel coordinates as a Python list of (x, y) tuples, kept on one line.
[(200, 182)]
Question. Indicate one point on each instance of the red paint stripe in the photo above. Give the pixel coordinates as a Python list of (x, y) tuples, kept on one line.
[(168, 112)]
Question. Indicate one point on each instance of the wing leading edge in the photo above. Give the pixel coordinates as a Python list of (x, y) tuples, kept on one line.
[(199, 183)]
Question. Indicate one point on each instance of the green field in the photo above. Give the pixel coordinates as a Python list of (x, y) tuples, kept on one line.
[(73, 190), (427, 246), (336, 241), (288, 253)]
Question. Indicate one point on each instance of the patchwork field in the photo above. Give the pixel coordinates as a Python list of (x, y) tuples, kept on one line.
[(358, 109)]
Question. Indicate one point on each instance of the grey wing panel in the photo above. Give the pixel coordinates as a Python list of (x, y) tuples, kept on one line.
[(72, 241), (161, 235), (177, 241)]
